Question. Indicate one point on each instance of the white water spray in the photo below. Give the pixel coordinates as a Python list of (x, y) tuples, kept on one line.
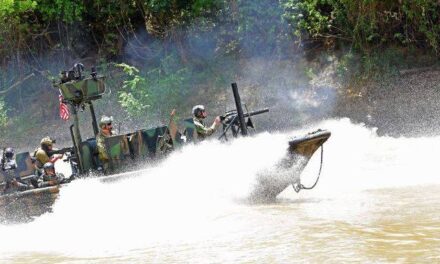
[(196, 194)]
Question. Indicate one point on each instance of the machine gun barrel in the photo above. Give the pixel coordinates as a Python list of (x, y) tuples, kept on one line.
[(61, 151), (265, 110), (231, 115), (231, 121)]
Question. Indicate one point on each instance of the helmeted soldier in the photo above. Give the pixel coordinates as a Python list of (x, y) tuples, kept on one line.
[(199, 114), (12, 179), (43, 153), (38, 172), (8, 163), (105, 130), (50, 177)]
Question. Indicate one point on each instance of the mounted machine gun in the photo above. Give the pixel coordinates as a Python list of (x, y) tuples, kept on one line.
[(231, 120), (79, 91), (61, 151), (235, 119)]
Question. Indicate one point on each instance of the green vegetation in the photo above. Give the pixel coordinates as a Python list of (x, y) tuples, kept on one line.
[(134, 93), (365, 25), (166, 50)]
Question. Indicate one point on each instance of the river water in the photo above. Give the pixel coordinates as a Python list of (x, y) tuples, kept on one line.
[(378, 201)]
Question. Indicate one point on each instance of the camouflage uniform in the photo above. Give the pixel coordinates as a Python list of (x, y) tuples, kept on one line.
[(35, 181), (42, 157), (102, 151), (202, 131), (42, 153), (100, 141), (51, 180), (9, 166), (11, 176)]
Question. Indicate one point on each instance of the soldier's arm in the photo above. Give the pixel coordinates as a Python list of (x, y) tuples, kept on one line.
[(201, 129), (55, 157), (102, 151)]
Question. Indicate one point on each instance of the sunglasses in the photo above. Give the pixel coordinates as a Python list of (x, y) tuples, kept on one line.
[(109, 124)]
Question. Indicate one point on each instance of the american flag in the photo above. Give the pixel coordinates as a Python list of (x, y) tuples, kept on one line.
[(64, 109)]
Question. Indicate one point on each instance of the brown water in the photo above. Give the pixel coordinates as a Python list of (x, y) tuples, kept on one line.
[(388, 226), (369, 207)]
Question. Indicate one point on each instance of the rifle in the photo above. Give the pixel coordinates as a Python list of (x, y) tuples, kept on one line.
[(230, 120), (60, 151)]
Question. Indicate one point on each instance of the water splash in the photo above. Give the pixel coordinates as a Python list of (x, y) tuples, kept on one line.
[(176, 200), (356, 158), (195, 194)]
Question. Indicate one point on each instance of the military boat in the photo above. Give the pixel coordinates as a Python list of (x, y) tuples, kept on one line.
[(148, 145)]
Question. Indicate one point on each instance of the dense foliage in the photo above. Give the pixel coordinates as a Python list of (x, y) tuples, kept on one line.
[(368, 24), (172, 46), (363, 24)]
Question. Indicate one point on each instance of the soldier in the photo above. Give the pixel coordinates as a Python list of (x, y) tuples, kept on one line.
[(105, 130), (50, 177), (43, 153), (200, 114), (12, 180), (38, 172)]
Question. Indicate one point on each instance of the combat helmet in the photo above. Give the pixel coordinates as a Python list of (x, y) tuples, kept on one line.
[(47, 141), (197, 110), (105, 120), (48, 165), (9, 153)]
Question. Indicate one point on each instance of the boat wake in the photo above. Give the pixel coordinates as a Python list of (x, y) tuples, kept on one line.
[(197, 193)]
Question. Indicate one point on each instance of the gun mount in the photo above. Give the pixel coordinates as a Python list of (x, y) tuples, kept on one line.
[(231, 120), (78, 91), (235, 119)]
